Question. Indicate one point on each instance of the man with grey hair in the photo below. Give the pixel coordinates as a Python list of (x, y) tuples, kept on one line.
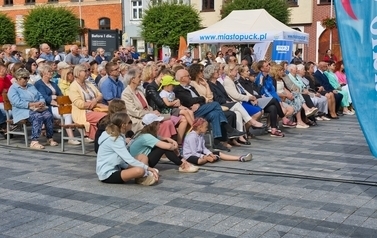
[(211, 111), (74, 57), (46, 52), (85, 57)]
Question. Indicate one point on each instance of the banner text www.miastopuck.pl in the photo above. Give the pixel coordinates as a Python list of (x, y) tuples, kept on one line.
[(237, 37)]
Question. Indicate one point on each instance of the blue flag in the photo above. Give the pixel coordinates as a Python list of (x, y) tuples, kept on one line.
[(357, 24)]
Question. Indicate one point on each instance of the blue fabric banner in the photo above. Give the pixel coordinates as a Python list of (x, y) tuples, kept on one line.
[(357, 25), (282, 50)]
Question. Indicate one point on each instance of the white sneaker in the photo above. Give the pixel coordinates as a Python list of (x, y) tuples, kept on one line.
[(245, 158), (74, 142), (88, 140), (147, 181), (326, 118), (319, 118), (189, 169)]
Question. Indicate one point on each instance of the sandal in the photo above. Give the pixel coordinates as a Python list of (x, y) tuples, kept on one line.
[(234, 142), (243, 142), (277, 133), (51, 142), (35, 145), (289, 124)]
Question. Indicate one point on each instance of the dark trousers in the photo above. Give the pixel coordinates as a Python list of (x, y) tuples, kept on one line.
[(308, 100), (273, 108), (338, 100), (156, 154)]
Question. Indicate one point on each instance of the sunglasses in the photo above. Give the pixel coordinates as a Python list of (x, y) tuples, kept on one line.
[(26, 78)]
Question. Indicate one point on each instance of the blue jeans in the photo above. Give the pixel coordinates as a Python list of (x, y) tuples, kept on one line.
[(3, 117), (213, 113), (37, 119)]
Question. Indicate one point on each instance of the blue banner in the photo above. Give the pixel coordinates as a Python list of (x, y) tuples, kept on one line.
[(357, 24), (282, 50)]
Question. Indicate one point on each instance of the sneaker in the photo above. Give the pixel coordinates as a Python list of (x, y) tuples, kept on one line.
[(245, 158), (348, 113), (221, 147), (147, 181), (74, 142), (235, 134), (311, 112), (88, 140), (189, 169), (325, 118)]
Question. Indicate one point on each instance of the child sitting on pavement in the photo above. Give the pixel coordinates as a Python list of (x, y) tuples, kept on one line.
[(195, 151), (174, 105)]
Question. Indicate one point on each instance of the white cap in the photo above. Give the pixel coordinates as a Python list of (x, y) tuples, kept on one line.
[(40, 60), (63, 65), (150, 118)]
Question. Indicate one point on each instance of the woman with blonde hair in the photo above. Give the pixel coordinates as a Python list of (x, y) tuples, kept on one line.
[(85, 97), (114, 162), (148, 74), (33, 54), (66, 78)]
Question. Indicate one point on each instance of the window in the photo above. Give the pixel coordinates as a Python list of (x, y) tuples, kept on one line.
[(53, 1), (8, 2), (137, 9), (292, 3), (325, 1), (29, 2), (208, 5), (104, 23)]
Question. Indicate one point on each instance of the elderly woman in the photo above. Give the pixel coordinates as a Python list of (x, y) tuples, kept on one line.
[(137, 106), (156, 102), (85, 97), (211, 73), (318, 100), (50, 91), (123, 68), (5, 84), (342, 79), (28, 103)]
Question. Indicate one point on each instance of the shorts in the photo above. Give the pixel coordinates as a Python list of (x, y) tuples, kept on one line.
[(194, 159), (114, 178)]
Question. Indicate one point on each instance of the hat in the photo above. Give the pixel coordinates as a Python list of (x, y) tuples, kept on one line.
[(40, 60), (150, 118), (168, 80), (22, 73), (63, 65)]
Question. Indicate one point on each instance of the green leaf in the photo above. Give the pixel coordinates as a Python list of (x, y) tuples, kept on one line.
[(8, 32)]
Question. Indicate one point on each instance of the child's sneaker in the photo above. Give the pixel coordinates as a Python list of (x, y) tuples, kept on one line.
[(245, 158), (147, 181)]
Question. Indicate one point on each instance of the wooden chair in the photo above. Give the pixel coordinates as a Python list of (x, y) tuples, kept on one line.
[(65, 107), (24, 123)]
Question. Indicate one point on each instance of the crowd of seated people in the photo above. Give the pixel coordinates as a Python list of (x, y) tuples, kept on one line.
[(136, 111)]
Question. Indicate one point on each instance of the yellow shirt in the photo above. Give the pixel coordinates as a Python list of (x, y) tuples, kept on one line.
[(64, 86)]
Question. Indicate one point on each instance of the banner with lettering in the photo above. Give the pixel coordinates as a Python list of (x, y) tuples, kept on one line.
[(282, 50), (357, 25)]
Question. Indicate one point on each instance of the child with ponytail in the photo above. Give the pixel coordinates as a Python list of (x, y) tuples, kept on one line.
[(195, 151), (114, 162)]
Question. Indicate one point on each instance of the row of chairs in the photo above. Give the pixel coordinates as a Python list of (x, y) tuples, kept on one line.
[(64, 107)]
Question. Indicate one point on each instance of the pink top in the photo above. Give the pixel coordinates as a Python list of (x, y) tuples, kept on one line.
[(341, 77)]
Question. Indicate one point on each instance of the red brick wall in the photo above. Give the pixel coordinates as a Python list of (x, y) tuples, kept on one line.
[(90, 13), (319, 12)]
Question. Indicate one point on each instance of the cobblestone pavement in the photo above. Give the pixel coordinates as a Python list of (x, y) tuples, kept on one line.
[(318, 182)]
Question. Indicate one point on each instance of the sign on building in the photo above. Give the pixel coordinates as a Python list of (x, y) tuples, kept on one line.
[(109, 40)]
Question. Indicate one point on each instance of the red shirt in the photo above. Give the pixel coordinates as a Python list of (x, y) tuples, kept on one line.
[(5, 84)]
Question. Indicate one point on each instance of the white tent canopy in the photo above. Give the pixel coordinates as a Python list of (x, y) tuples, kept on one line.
[(247, 26)]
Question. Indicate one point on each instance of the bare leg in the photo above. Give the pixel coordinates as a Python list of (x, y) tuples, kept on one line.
[(299, 119), (181, 130), (134, 172), (227, 157), (189, 115)]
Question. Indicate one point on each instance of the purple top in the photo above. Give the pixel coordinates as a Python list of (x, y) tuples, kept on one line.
[(194, 145)]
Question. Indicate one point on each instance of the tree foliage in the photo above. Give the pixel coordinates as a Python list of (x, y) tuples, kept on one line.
[(276, 8), (55, 26), (7, 32), (164, 22)]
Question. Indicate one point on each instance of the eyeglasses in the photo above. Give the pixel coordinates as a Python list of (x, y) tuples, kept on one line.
[(116, 69), (33, 64), (26, 78)]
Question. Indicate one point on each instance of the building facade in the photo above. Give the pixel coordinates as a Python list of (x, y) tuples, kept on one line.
[(104, 14)]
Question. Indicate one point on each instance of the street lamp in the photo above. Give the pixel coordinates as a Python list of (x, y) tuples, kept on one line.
[(331, 15), (81, 36)]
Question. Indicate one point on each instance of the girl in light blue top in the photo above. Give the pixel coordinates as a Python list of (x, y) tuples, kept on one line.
[(114, 162)]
